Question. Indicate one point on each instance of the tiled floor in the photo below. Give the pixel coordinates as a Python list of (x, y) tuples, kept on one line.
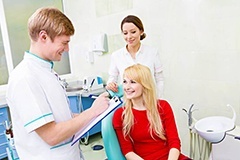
[(88, 151)]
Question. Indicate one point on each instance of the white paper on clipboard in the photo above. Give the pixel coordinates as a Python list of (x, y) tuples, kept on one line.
[(113, 103)]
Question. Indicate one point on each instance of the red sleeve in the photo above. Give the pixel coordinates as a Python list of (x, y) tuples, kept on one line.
[(169, 125), (125, 144)]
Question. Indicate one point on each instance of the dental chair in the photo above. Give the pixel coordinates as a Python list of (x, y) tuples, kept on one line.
[(110, 141)]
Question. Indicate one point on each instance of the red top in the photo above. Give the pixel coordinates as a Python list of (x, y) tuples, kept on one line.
[(143, 144)]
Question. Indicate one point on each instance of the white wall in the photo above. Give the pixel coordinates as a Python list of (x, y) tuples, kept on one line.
[(199, 42)]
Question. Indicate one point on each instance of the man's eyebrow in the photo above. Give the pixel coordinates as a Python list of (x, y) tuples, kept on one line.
[(66, 41)]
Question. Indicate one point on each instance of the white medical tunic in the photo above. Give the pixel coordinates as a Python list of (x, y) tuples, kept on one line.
[(36, 97), (146, 55)]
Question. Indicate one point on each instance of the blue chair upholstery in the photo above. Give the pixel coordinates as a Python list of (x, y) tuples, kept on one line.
[(110, 141)]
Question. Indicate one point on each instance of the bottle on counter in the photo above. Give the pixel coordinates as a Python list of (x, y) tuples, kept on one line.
[(9, 134)]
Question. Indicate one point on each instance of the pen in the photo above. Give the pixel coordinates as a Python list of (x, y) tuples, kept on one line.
[(92, 83)]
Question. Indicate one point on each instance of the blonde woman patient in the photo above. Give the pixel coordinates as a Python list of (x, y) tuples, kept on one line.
[(145, 125)]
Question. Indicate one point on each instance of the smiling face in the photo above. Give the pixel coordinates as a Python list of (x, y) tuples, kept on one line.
[(55, 48), (132, 89), (49, 30), (131, 34)]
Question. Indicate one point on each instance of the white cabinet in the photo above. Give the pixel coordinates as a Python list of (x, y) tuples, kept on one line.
[(228, 149)]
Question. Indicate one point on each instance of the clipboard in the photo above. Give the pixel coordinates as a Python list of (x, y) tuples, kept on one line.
[(113, 103)]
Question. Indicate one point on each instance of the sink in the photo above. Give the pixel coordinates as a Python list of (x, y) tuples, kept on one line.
[(213, 129)]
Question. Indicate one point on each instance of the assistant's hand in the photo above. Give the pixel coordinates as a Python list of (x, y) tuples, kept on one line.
[(112, 86), (100, 104)]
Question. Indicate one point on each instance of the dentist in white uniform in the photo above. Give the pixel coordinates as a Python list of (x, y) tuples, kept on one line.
[(43, 124)]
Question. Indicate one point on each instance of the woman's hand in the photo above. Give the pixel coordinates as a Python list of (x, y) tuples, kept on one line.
[(173, 154), (112, 86), (132, 156)]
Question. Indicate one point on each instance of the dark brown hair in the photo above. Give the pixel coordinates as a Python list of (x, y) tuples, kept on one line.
[(136, 21)]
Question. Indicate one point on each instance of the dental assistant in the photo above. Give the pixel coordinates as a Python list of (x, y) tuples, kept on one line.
[(134, 53), (43, 125)]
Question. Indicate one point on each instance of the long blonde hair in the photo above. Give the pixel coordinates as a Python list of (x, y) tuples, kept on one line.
[(142, 74)]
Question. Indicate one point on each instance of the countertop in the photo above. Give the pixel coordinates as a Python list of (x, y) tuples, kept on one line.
[(86, 93), (3, 102)]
